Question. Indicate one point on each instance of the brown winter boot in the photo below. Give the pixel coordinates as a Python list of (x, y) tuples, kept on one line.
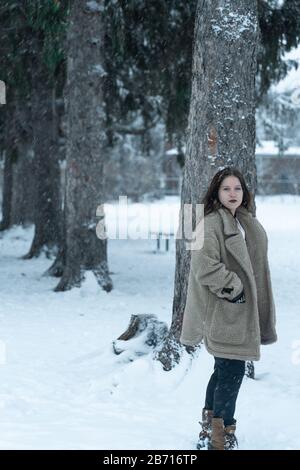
[(205, 433), (231, 441), (217, 434)]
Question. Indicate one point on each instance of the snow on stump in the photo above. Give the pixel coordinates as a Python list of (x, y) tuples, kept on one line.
[(143, 334)]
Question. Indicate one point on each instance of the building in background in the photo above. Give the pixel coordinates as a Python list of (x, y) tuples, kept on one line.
[(278, 171)]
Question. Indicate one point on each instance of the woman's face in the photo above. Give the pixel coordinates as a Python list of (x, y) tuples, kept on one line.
[(230, 193)]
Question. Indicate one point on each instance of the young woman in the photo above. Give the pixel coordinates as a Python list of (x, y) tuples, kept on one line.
[(229, 300)]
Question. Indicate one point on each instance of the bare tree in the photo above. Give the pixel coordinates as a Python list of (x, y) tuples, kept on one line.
[(85, 147), (221, 128)]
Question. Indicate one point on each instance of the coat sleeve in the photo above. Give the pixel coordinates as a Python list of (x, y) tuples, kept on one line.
[(211, 272), (267, 315)]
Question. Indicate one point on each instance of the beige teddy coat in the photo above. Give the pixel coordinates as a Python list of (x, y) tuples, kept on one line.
[(226, 260)]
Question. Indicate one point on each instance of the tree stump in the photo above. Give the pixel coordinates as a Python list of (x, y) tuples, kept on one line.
[(144, 333)]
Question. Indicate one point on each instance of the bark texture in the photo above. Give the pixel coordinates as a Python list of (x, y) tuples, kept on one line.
[(85, 148), (221, 127), (46, 164), (24, 184), (10, 155)]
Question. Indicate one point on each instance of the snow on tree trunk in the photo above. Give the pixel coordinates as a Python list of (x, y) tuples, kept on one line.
[(221, 128), (85, 148), (143, 334)]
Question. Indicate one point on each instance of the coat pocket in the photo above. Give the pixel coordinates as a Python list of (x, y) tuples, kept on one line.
[(228, 322)]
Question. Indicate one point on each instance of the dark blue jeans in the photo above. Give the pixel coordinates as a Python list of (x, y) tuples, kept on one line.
[(223, 388)]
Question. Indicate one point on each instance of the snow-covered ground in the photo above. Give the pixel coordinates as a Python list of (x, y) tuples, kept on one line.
[(61, 386)]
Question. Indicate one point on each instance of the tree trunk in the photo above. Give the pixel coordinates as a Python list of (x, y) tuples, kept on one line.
[(24, 184), (85, 147), (46, 166), (10, 157), (57, 268), (19, 180), (221, 129), (7, 190)]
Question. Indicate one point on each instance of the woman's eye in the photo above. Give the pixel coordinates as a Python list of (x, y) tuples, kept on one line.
[(236, 189)]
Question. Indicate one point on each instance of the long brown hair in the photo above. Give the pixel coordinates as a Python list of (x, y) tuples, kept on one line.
[(211, 201)]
